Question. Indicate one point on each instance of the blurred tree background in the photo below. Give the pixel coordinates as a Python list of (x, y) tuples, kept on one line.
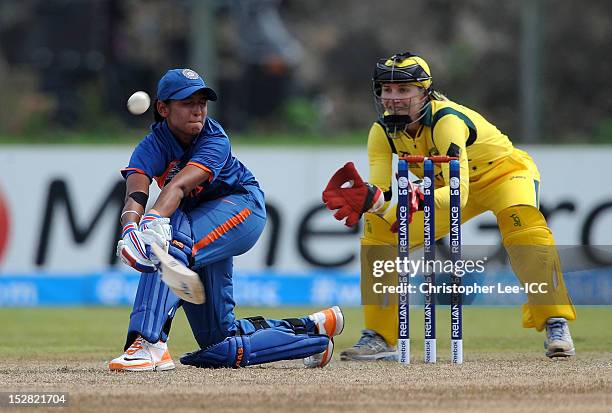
[(302, 68)]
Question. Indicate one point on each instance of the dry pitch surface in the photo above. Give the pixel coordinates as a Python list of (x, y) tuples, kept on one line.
[(492, 382), (505, 369)]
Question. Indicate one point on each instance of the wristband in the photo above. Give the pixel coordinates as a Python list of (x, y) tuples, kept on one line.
[(127, 212)]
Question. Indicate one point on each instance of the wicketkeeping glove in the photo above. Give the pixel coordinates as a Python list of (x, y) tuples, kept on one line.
[(348, 195), (132, 249)]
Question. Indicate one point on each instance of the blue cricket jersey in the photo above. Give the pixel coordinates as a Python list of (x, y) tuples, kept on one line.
[(160, 156)]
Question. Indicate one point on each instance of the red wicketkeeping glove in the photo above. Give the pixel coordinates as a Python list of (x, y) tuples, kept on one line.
[(416, 198), (347, 193)]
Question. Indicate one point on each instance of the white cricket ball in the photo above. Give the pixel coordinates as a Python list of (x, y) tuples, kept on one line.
[(138, 103)]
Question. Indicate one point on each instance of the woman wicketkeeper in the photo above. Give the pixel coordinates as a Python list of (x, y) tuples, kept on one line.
[(415, 119)]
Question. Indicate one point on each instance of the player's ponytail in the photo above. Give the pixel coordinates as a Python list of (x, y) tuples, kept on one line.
[(435, 95)]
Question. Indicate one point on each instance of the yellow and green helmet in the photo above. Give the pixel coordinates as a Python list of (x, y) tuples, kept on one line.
[(401, 68)]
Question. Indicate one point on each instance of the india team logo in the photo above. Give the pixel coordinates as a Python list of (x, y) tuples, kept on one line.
[(454, 182), (402, 182), (426, 182), (190, 74)]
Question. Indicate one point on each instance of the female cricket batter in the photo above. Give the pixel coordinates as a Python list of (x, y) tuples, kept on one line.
[(210, 209), (414, 119)]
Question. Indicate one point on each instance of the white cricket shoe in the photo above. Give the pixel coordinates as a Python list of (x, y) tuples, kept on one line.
[(143, 356), (558, 341), (331, 323), (371, 346)]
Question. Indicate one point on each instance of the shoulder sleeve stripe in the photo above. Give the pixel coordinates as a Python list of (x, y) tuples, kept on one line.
[(128, 171), (468, 122), (140, 171), (204, 168)]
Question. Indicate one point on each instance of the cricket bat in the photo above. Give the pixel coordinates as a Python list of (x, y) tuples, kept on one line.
[(184, 282)]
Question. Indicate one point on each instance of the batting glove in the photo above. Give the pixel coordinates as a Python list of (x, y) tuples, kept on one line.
[(132, 249), (155, 230)]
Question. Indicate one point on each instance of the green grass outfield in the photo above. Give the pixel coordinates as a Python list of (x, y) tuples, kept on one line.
[(348, 138), (98, 333)]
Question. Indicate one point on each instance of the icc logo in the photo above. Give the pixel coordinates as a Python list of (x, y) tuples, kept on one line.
[(4, 225), (454, 182), (402, 182)]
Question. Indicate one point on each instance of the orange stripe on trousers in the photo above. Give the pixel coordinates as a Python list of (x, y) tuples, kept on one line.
[(218, 232)]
